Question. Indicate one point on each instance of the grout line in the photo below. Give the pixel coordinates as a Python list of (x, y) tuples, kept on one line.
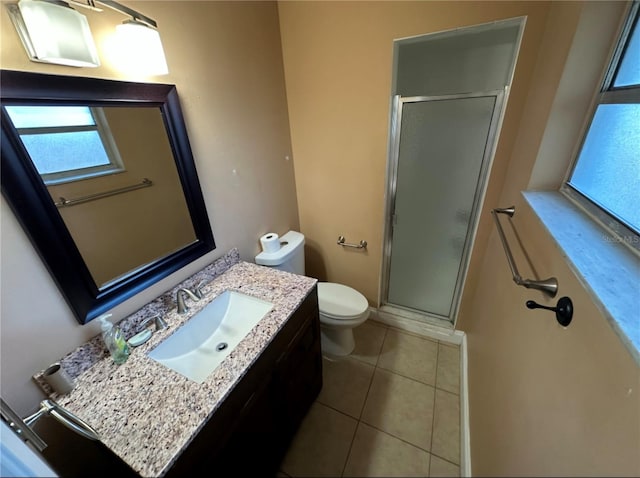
[(450, 393), (444, 459), (433, 414), (437, 342), (360, 421), (403, 440), (381, 431), (409, 378), (353, 439), (465, 432), (366, 396), (414, 334), (384, 338), (414, 379), (375, 366), (437, 366), (408, 442), (336, 410)]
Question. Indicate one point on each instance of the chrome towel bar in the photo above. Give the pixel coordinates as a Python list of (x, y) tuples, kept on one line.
[(16, 423), (341, 242), (549, 286), (64, 416), (91, 197)]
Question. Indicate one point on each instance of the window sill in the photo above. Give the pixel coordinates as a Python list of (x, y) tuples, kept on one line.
[(609, 270)]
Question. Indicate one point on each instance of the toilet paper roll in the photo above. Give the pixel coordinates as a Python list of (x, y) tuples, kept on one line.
[(58, 378), (270, 242)]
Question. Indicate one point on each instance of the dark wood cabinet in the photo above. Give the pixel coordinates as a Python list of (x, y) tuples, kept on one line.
[(252, 429)]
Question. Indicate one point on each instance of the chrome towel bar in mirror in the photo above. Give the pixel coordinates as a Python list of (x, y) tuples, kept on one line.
[(64, 202)]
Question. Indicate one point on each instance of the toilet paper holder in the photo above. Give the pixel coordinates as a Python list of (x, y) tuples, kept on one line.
[(341, 242)]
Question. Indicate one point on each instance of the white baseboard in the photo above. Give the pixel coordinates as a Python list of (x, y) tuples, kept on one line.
[(451, 336)]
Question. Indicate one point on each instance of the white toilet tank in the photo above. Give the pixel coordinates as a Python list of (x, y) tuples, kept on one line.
[(289, 258)]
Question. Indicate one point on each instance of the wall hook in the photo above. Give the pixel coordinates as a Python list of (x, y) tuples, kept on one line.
[(563, 310)]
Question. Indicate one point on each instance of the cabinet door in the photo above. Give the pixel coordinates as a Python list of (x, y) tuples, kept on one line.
[(299, 377), (252, 449)]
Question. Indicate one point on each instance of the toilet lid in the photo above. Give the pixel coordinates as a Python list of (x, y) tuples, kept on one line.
[(340, 301)]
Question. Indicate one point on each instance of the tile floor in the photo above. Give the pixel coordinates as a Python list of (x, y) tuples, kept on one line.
[(392, 408)]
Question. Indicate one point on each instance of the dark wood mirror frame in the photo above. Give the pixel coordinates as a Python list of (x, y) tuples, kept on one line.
[(30, 201)]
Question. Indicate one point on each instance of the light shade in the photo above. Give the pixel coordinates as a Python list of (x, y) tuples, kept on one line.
[(141, 49), (55, 33)]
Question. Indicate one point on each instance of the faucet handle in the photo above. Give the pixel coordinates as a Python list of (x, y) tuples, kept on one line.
[(159, 322), (197, 290)]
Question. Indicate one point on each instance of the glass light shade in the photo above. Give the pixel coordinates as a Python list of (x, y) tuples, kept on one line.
[(55, 33), (141, 49)]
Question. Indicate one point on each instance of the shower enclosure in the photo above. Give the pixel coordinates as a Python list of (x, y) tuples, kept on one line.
[(450, 94)]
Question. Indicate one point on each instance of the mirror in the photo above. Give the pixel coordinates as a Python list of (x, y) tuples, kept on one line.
[(101, 176)]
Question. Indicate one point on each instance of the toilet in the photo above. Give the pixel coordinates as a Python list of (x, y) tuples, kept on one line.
[(341, 307)]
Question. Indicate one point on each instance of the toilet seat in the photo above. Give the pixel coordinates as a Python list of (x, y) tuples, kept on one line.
[(340, 302)]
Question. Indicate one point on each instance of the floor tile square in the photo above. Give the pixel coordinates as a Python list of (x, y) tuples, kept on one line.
[(369, 337), (409, 355), (375, 453), (321, 445), (440, 467), (446, 426), (345, 384), (448, 371), (401, 407)]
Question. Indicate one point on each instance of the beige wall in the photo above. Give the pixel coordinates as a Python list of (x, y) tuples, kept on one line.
[(226, 61), (548, 401), (544, 401), (338, 66)]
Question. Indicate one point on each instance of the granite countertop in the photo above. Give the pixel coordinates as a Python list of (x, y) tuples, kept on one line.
[(145, 412)]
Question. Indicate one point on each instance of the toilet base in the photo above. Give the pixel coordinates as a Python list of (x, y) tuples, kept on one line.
[(337, 342)]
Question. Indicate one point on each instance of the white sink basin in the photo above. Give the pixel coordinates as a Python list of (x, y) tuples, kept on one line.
[(207, 338)]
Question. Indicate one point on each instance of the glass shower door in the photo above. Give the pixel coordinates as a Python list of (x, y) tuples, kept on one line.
[(443, 147)]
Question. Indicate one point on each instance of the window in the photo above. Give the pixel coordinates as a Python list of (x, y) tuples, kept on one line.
[(67, 143), (606, 175)]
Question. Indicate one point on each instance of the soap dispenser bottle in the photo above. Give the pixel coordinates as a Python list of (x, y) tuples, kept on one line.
[(114, 340)]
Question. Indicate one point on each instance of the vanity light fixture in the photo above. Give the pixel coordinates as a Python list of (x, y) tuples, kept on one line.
[(53, 32), (141, 48)]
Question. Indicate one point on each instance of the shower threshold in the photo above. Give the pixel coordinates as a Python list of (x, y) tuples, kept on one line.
[(415, 321)]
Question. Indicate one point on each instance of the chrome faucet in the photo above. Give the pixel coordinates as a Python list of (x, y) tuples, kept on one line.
[(182, 307)]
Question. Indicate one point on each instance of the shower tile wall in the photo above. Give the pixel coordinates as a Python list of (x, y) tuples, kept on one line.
[(392, 408)]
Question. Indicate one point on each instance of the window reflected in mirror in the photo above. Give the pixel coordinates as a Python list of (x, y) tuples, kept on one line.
[(91, 159), (67, 143)]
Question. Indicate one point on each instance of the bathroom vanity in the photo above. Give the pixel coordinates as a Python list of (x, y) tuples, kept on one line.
[(241, 418), (251, 430)]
